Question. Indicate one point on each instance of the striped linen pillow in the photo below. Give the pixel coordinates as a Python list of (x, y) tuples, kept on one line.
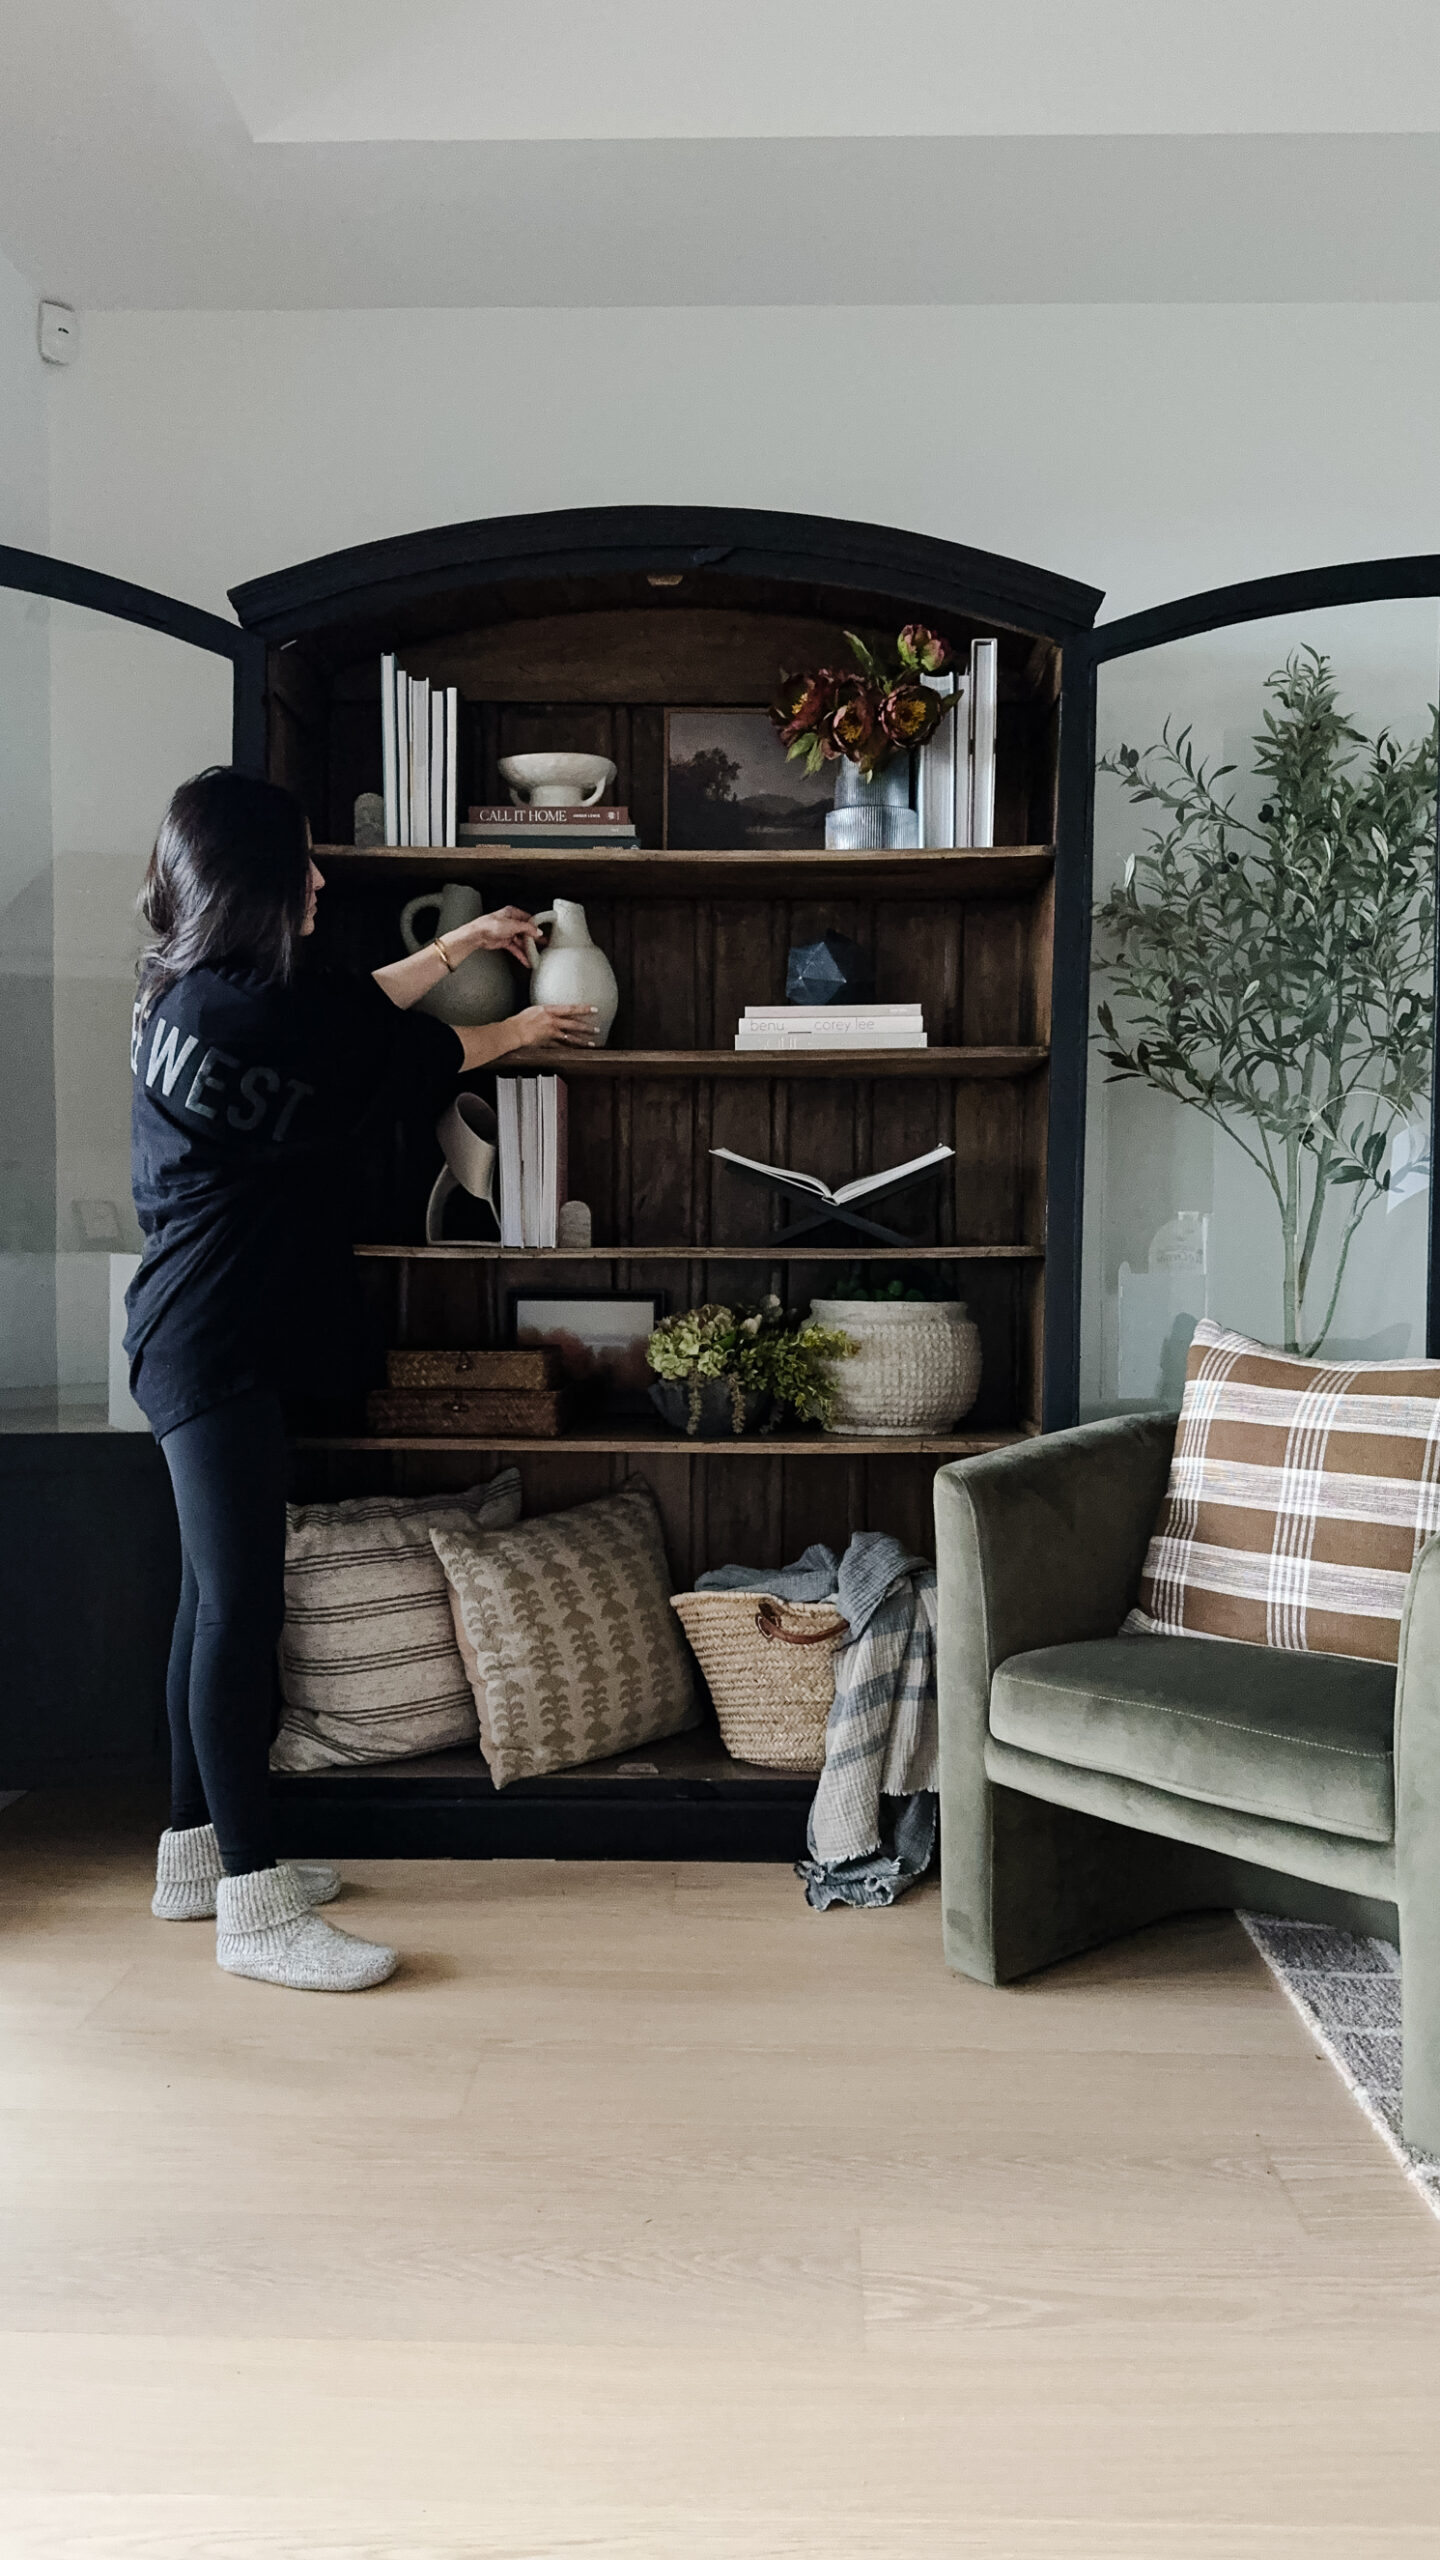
[(369, 1666), (1300, 1495)]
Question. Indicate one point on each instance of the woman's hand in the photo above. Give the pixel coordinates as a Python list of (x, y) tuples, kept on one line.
[(552, 1026), (510, 929), (540, 1026)]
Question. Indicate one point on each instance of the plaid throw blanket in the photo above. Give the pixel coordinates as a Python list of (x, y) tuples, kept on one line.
[(871, 1831), (1301, 1493)]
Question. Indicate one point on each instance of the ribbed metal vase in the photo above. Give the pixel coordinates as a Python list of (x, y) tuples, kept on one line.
[(873, 816)]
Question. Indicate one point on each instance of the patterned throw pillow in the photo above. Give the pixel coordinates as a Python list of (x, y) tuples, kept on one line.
[(368, 1663), (1300, 1495), (568, 1625)]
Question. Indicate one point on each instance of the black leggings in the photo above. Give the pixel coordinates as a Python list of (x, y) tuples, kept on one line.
[(227, 1468)]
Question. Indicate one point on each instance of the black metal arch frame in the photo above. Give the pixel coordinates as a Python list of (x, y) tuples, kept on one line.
[(1306, 590), (35, 573), (580, 542)]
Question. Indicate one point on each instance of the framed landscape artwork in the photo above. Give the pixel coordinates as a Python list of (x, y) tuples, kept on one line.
[(729, 788), (600, 1335)]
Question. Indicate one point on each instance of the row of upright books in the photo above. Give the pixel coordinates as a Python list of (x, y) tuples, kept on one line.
[(955, 770), (531, 1118), (419, 749), (832, 1026)]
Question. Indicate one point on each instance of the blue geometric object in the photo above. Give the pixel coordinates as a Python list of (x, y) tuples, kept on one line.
[(828, 971)]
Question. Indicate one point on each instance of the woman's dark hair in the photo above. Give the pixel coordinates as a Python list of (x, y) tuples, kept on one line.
[(228, 880)]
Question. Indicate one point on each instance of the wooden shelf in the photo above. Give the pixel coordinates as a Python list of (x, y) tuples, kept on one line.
[(779, 1251), (642, 1439), (973, 871), (959, 1066)]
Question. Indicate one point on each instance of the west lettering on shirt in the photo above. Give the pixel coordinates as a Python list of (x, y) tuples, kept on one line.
[(259, 1085)]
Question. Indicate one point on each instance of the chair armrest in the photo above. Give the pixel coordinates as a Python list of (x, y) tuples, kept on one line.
[(1043, 1543), (1040, 1544), (1417, 1703)]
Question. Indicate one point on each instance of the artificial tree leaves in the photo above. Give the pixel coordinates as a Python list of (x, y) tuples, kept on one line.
[(1277, 976)]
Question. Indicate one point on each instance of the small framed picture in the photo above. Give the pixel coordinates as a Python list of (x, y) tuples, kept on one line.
[(600, 1335), (729, 787)]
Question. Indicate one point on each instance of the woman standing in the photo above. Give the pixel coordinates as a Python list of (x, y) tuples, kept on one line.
[(250, 1075)]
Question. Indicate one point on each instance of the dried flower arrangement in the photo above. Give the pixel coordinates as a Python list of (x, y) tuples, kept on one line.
[(870, 712)]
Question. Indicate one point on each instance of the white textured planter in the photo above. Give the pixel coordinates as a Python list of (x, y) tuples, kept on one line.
[(917, 1369)]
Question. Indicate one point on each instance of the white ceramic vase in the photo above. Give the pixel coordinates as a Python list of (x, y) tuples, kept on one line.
[(480, 988), (572, 969), (917, 1368)]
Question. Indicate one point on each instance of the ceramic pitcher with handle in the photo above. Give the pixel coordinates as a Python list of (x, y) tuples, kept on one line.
[(572, 969), (482, 987)]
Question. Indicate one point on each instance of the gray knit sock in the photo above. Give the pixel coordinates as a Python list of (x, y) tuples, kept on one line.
[(266, 1928), (187, 1871)]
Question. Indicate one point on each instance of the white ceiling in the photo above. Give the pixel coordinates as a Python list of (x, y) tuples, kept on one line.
[(316, 153)]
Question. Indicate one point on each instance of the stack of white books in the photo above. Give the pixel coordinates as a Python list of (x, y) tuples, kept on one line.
[(419, 743), (530, 1112), (832, 1026)]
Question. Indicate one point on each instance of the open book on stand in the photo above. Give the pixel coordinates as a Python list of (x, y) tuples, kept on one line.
[(839, 1203)]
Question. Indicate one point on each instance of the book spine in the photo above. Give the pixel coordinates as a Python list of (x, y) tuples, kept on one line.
[(529, 1160), (499, 833), (984, 696), (833, 1040), (419, 763), (452, 761), (388, 766), (402, 757), (889, 1023), (437, 769), (495, 814), (935, 778), (507, 1114)]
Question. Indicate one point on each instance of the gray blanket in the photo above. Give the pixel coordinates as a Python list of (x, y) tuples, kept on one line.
[(872, 1824)]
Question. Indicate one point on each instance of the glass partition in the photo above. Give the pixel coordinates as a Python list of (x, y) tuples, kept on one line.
[(1259, 1103), (101, 719)]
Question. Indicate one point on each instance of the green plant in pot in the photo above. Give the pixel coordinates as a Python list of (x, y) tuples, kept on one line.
[(1276, 975), (722, 1370)]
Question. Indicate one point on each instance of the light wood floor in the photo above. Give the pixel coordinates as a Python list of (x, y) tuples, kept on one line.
[(649, 2213)]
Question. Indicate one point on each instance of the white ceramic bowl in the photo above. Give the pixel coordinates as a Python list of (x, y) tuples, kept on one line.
[(558, 781)]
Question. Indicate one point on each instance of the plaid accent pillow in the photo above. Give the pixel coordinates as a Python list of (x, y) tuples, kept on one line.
[(1300, 1496)]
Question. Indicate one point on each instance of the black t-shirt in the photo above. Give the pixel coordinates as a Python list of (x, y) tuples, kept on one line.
[(246, 1096)]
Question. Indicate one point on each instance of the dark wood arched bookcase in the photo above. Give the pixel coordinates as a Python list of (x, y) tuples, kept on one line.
[(580, 628)]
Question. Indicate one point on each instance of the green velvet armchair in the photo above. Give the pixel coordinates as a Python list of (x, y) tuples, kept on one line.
[(1091, 1782)]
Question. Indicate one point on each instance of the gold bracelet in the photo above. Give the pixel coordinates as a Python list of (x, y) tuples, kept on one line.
[(438, 945)]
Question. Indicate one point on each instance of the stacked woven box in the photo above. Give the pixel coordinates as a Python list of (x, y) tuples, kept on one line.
[(457, 1395)]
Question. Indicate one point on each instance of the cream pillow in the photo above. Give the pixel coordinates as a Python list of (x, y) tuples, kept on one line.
[(368, 1663), (568, 1632)]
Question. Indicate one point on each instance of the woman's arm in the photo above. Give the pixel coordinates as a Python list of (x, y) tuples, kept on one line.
[(508, 929), (540, 1026)]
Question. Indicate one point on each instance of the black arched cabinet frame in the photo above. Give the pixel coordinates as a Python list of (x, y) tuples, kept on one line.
[(34, 573), (1255, 600)]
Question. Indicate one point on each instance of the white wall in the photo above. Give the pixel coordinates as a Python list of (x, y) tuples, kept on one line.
[(27, 1278), (1149, 449)]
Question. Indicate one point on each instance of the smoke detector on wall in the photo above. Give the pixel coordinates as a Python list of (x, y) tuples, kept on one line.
[(59, 333)]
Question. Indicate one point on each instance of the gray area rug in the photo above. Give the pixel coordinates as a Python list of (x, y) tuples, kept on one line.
[(1347, 1990)]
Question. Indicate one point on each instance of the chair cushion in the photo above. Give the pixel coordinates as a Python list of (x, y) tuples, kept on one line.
[(1297, 1738), (1301, 1493)]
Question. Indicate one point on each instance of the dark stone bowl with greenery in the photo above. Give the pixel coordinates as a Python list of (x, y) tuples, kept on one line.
[(710, 1408)]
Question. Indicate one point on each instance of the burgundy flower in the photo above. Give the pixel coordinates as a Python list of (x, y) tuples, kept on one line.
[(855, 727), (923, 649), (801, 703), (908, 714)]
